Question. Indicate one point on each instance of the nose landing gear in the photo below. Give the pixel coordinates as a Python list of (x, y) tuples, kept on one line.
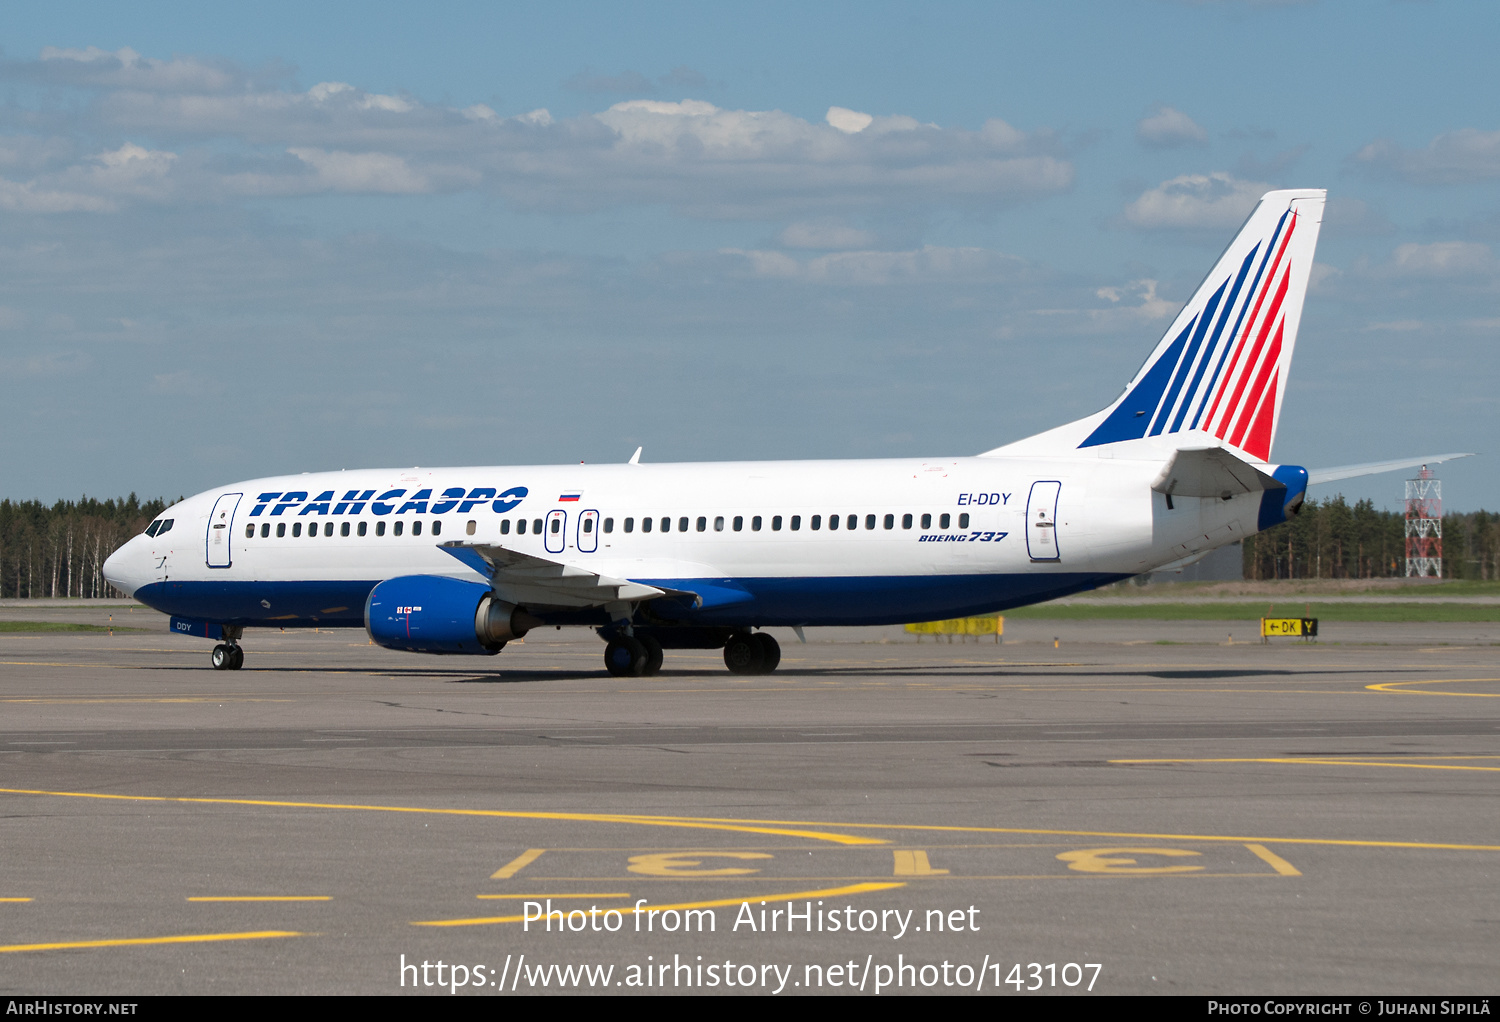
[(227, 656)]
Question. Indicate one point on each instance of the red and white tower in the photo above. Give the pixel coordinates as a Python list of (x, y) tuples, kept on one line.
[(1424, 526)]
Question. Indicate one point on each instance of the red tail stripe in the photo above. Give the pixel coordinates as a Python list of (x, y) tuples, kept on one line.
[(1257, 392), (1254, 356), (1259, 443), (1234, 363)]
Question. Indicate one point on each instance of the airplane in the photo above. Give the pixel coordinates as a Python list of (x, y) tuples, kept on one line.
[(705, 556)]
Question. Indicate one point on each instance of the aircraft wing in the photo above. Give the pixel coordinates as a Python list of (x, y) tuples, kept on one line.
[(1211, 472), (529, 579), (1369, 468)]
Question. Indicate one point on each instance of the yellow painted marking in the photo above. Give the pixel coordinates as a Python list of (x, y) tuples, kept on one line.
[(9, 901), (915, 864), (1106, 860), (1398, 687), (1319, 761), (680, 864), (517, 864), (186, 938), (719, 903), (1277, 863), (555, 897), (684, 822), (263, 897), (174, 699)]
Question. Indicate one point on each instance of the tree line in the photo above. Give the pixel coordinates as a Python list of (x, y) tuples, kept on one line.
[(60, 550), (1334, 539)]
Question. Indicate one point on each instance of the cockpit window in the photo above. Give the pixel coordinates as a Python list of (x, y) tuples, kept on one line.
[(159, 528), (151, 529)]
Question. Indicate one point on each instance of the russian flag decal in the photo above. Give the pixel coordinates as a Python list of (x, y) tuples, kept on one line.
[(570, 496)]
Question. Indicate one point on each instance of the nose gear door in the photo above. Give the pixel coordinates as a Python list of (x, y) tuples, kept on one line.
[(220, 525)]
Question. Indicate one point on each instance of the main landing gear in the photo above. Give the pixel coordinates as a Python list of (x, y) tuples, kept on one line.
[(751, 653), (228, 656), (631, 656)]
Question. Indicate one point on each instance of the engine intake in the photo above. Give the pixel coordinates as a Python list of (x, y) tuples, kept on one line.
[(433, 614)]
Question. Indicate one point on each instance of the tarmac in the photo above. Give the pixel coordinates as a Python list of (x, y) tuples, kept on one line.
[(1126, 806)]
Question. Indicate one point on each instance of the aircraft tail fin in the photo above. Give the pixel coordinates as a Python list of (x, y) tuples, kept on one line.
[(1217, 376)]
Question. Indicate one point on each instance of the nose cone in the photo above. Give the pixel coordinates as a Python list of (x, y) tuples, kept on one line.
[(127, 568)]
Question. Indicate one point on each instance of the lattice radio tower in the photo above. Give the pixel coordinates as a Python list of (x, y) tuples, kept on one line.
[(1424, 526)]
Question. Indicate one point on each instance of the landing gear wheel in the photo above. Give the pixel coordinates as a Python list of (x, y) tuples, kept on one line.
[(625, 657), (653, 654), (743, 654), (770, 651), (237, 658), (222, 657)]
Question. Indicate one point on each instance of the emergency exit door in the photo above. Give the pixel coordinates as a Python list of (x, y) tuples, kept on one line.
[(1041, 521)]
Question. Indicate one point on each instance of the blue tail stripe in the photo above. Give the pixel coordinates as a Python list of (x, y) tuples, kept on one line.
[(1244, 309), (1194, 394), (1165, 411), (1129, 419)]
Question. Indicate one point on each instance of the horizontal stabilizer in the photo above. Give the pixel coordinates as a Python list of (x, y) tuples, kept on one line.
[(1211, 472), (1370, 468)]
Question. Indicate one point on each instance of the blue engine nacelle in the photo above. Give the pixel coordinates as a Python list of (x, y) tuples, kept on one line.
[(432, 614)]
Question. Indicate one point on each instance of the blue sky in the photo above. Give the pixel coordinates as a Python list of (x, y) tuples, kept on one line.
[(298, 237)]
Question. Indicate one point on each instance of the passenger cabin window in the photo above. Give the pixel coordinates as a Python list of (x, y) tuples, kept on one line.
[(250, 531), (646, 524), (833, 522), (666, 525), (682, 525), (927, 521), (556, 526), (437, 528), (963, 520), (630, 525), (588, 526), (265, 530), (521, 527), (739, 523), (416, 528), (380, 528), (852, 523), (328, 529), (869, 521), (609, 526), (344, 529), (280, 529), (755, 524), (796, 523), (906, 521), (816, 523), (397, 527), (702, 524), (775, 523), (296, 529), (472, 525), (536, 525), (719, 524), (943, 521), (362, 527), (890, 521)]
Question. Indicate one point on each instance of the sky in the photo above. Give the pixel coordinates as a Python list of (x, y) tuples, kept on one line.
[(293, 237)]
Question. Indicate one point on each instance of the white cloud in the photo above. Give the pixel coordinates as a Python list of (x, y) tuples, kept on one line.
[(928, 264), (825, 234), (363, 172), (850, 122), (1196, 202), (1166, 128), (125, 69), (1443, 259), (1456, 157), (25, 197)]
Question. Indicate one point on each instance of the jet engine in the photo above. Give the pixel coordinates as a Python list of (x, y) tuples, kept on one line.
[(433, 614)]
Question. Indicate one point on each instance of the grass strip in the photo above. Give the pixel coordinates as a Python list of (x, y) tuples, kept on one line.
[(1383, 612), (62, 626)]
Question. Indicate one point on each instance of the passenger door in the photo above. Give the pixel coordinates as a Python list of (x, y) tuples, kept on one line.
[(555, 536), (220, 527), (1041, 521)]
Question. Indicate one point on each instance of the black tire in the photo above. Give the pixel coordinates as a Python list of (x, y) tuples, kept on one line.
[(653, 654), (236, 658), (625, 658), (222, 657), (743, 655), (770, 652)]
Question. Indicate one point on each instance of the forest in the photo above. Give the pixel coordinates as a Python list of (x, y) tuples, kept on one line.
[(58, 550)]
